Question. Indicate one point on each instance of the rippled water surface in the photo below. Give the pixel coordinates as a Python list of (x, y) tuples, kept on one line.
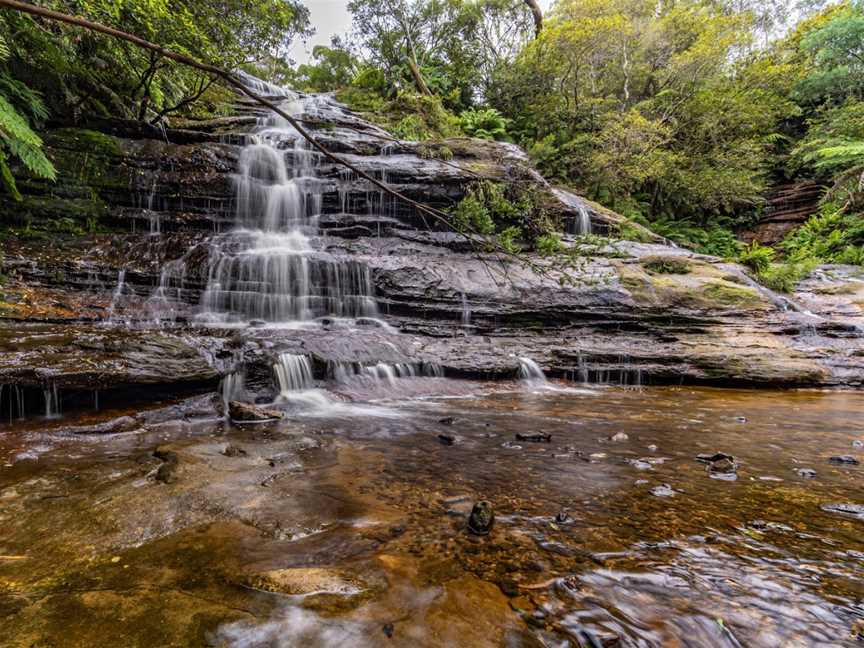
[(344, 524)]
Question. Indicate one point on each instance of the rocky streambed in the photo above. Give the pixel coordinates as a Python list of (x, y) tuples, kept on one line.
[(349, 526)]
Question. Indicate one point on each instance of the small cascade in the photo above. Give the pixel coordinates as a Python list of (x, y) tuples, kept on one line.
[(232, 388), (466, 311), (581, 224), (52, 402), (344, 372), (294, 373), (117, 295), (530, 372)]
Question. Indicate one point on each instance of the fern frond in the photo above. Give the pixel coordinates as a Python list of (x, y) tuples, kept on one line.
[(6, 177), (23, 142)]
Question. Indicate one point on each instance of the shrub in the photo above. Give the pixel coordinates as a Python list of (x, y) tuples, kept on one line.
[(757, 257), (484, 123), (548, 244)]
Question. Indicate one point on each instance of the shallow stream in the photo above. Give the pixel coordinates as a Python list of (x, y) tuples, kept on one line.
[(345, 524)]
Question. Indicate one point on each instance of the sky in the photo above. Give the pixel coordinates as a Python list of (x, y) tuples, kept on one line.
[(331, 17)]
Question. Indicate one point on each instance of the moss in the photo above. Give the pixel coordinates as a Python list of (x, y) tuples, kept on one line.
[(727, 295), (667, 265), (83, 139)]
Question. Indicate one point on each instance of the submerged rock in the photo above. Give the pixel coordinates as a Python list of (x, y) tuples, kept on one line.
[(664, 490), (447, 420), (248, 413), (807, 473), (114, 426), (848, 460), (232, 450), (711, 458), (167, 472), (481, 519), (844, 508), (619, 437), (538, 437), (446, 439)]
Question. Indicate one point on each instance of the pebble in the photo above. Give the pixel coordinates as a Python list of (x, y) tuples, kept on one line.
[(619, 437), (447, 420), (858, 443), (741, 419), (481, 519), (845, 508), (388, 630), (807, 473), (652, 448), (446, 439)]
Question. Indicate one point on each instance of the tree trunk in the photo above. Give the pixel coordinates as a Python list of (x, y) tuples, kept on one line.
[(418, 78), (537, 13)]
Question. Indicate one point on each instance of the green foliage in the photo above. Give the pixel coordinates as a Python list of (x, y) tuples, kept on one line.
[(783, 277), (830, 237), (548, 244), (484, 123), (757, 257), (714, 239), (511, 213)]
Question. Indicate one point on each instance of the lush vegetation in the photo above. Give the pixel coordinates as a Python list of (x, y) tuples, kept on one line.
[(680, 115)]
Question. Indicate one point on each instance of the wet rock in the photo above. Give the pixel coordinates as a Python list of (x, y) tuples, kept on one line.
[(232, 450), (619, 437), (563, 517), (858, 443), (509, 445), (248, 413), (807, 473), (509, 587), (167, 472), (711, 458), (724, 466), (741, 419), (388, 629), (652, 448), (446, 439), (639, 464), (841, 460), (850, 510), (481, 519), (538, 437), (447, 420), (114, 426), (664, 490)]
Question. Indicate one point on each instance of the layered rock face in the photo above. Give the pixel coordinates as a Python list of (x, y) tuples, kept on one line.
[(234, 244)]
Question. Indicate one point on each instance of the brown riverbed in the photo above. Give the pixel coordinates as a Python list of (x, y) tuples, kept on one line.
[(345, 525)]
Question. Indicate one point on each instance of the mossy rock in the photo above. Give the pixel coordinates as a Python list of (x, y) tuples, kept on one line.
[(667, 265)]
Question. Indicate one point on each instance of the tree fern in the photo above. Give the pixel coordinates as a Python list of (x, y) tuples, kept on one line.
[(841, 156), (20, 140)]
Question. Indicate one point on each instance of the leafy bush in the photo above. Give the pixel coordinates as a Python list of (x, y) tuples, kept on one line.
[(484, 123), (548, 244), (829, 237), (715, 239), (757, 257), (783, 277)]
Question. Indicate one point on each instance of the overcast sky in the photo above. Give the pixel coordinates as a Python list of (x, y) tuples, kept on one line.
[(330, 17)]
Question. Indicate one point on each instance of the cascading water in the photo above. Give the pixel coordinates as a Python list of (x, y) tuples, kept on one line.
[(294, 373), (268, 269), (530, 372)]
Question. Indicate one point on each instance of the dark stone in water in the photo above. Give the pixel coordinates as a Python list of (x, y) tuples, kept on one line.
[(447, 420), (848, 460), (114, 426), (723, 466), (539, 437), (741, 419), (167, 472), (807, 473), (563, 517), (844, 508), (232, 450), (711, 458), (446, 439), (481, 519), (248, 413), (388, 630)]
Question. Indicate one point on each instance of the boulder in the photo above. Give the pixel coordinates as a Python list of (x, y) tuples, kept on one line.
[(247, 413)]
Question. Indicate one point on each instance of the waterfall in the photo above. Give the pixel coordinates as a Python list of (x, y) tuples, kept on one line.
[(294, 373), (530, 372), (232, 387), (466, 311), (117, 295), (343, 372), (268, 268), (52, 402)]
